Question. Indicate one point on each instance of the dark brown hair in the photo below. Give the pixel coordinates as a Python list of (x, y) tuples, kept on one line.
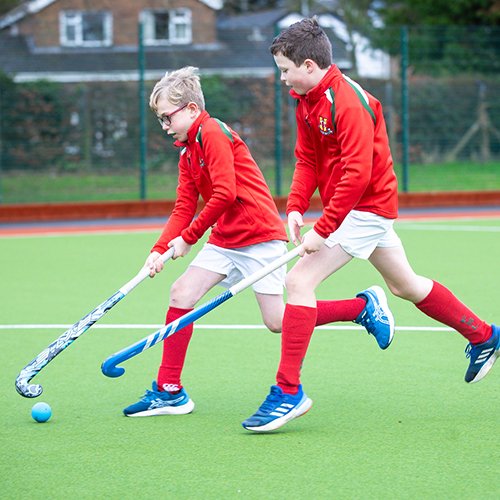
[(304, 40)]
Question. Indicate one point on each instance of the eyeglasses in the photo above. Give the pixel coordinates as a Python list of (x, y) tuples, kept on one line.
[(166, 120)]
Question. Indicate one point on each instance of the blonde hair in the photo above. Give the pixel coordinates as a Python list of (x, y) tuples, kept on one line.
[(178, 87)]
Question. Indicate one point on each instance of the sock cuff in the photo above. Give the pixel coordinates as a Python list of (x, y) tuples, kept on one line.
[(435, 287), (299, 317), (304, 309), (178, 311)]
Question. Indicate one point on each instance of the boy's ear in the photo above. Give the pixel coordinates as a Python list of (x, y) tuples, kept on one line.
[(310, 65), (193, 108)]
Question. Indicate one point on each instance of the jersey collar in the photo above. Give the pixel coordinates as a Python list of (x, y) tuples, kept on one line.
[(193, 130), (317, 92)]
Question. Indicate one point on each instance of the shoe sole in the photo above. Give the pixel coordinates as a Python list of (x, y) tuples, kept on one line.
[(166, 410), (280, 422), (382, 298), (486, 367)]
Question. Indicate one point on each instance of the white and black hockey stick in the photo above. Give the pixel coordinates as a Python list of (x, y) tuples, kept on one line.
[(23, 386), (109, 367)]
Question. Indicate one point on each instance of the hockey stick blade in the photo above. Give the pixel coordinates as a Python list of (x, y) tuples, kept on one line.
[(109, 366), (23, 386)]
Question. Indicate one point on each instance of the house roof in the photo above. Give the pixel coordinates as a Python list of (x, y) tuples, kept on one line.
[(22, 10), (260, 19), (252, 34), (24, 64)]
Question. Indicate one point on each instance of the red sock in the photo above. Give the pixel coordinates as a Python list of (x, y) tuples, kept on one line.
[(298, 326), (331, 311), (174, 353), (443, 306)]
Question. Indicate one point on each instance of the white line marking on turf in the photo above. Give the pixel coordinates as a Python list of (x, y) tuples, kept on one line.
[(221, 327), (445, 227)]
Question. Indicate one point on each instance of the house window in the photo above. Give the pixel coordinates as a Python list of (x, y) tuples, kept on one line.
[(86, 28), (163, 27)]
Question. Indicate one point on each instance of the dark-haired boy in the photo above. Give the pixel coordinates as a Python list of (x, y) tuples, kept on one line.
[(343, 151)]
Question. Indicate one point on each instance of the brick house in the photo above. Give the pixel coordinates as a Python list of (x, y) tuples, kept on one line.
[(105, 23), (82, 40), (92, 40)]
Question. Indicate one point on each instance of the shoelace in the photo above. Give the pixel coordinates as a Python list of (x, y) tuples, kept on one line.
[(269, 403), (149, 395), (468, 350), (369, 325)]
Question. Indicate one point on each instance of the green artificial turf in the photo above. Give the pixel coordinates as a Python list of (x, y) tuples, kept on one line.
[(396, 424)]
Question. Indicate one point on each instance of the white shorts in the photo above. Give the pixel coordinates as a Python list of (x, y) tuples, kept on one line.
[(239, 263), (361, 232)]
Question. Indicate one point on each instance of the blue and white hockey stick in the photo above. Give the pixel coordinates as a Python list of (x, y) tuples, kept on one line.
[(24, 388), (109, 367)]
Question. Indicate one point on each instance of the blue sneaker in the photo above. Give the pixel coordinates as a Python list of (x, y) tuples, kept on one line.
[(157, 402), (482, 357), (278, 409), (376, 317)]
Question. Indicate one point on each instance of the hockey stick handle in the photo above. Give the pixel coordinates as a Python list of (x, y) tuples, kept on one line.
[(144, 273), (23, 386), (109, 366)]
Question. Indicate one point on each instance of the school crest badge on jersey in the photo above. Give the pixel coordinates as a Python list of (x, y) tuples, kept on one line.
[(323, 126)]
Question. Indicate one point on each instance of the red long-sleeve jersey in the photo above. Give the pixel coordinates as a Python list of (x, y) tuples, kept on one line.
[(216, 164), (343, 150)]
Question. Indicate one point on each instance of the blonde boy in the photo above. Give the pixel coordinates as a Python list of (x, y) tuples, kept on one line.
[(246, 230)]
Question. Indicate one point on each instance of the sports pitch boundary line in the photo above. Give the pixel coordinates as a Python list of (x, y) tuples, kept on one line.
[(86, 227), (217, 327), (418, 226)]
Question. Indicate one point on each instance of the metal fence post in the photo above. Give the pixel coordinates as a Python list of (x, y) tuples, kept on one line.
[(405, 105), (142, 113), (279, 134), (1, 142)]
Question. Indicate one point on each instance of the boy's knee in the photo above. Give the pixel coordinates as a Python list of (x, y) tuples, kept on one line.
[(395, 290), (413, 290), (400, 291), (273, 326), (181, 296), (291, 282), (404, 293)]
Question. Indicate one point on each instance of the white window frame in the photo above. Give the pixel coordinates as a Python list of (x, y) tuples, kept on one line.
[(177, 17), (75, 18)]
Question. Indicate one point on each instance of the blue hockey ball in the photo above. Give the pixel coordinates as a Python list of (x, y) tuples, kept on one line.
[(41, 412)]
